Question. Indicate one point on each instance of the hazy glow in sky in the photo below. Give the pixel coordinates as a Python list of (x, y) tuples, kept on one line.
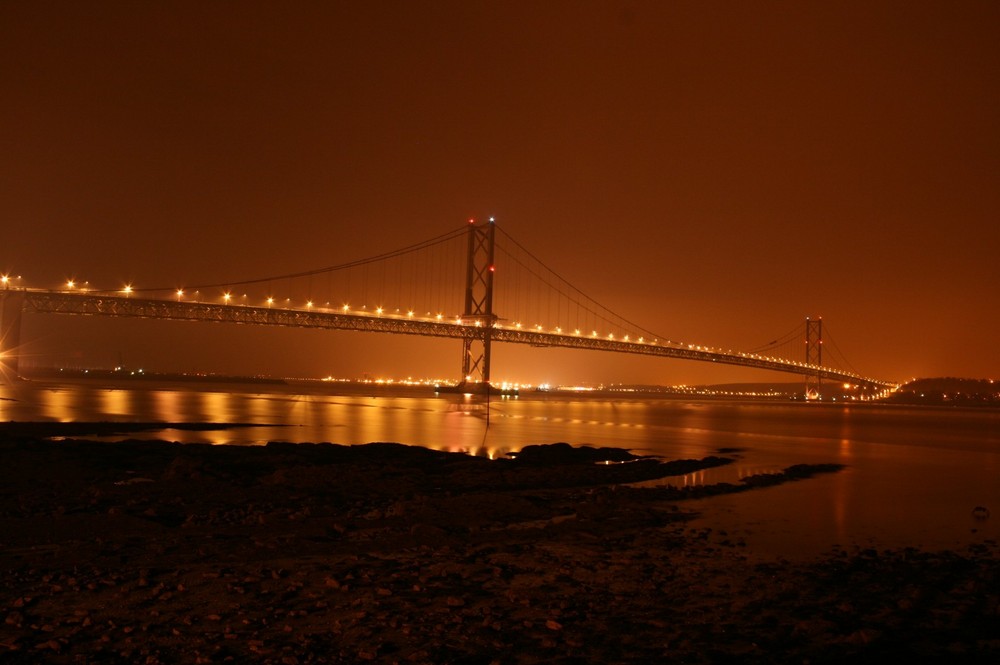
[(714, 171)]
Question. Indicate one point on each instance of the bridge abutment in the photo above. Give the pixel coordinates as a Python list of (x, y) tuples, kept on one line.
[(11, 310)]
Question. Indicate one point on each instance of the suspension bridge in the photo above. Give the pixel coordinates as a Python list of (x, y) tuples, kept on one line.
[(445, 286)]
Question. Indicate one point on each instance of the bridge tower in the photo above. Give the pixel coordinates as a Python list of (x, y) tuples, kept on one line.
[(11, 307), (814, 356), (478, 306)]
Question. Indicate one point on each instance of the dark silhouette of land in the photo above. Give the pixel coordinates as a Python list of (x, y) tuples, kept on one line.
[(157, 552)]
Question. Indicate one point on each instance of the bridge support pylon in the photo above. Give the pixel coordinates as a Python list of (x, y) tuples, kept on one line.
[(11, 308), (478, 307), (814, 356)]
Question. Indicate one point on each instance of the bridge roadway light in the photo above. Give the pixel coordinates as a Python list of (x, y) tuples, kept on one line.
[(227, 296), (180, 293), (127, 290), (270, 301), (70, 283)]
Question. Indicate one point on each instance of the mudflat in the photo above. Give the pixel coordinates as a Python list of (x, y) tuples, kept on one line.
[(157, 552)]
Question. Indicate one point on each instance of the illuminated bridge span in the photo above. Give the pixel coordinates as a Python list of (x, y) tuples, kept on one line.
[(417, 274)]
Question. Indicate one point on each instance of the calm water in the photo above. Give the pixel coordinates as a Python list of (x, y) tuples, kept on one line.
[(913, 476)]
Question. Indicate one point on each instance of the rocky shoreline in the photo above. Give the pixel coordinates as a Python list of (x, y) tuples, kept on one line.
[(155, 552)]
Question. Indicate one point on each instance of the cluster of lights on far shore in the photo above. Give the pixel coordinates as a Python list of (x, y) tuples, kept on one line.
[(436, 383)]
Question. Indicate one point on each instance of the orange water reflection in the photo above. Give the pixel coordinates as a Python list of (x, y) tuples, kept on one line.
[(59, 405), (911, 476), (167, 406)]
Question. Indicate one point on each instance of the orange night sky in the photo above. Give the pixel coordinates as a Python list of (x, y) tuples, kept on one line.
[(716, 171)]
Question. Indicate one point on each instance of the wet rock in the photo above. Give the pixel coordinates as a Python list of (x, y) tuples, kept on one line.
[(466, 559)]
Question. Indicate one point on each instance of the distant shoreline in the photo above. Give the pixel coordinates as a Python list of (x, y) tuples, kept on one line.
[(764, 391), (939, 392)]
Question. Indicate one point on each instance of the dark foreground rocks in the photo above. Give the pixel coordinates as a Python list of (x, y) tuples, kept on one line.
[(149, 552)]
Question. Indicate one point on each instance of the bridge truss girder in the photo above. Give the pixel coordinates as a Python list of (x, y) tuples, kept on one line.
[(681, 352), (113, 305), (55, 302)]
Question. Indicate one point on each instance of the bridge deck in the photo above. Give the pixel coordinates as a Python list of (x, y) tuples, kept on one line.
[(110, 304)]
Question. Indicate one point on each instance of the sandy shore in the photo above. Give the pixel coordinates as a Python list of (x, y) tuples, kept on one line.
[(152, 552)]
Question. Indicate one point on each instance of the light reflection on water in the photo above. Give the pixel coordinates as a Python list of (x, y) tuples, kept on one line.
[(117, 402), (166, 405), (913, 476), (56, 405)]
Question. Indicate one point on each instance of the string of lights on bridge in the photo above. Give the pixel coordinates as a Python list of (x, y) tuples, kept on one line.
[(433, 271)]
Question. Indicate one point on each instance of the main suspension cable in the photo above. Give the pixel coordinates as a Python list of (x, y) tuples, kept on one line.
[(574, 288), (797, 331), (437, 240)]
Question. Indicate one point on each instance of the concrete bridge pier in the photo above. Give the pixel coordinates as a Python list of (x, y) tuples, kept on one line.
[(11, 308)]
